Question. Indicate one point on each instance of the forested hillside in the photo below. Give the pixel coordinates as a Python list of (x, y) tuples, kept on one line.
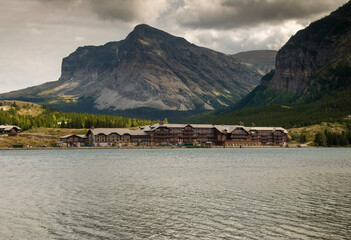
[(309, 85), (20, 114), (149, 73)]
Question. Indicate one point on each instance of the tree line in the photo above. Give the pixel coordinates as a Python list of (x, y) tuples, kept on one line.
[(328, 138), (52, 119)]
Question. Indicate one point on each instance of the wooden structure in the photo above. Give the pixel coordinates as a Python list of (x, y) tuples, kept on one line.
[(170, 134), (205, 134), (117, 137), (74, 140), (182, 134), (10, 130)]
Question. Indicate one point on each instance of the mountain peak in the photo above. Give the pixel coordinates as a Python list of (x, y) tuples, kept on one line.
[(146, 31), (142, 27), (344, 10), (149, 69)]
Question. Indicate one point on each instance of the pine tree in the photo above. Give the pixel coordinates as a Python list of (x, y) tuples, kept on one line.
[(302, 138), (320, 139)]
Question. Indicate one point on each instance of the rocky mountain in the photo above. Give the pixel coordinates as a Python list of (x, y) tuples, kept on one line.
[(149, 69), (262, 60), (316, 61), (311, 81)]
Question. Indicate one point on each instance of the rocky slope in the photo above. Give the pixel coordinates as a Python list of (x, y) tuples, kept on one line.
[(262, 60), (311, 81), (323, 42), (148, 69), (316, 61)]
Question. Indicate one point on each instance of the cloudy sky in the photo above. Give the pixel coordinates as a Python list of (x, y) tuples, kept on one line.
[(36, 34)]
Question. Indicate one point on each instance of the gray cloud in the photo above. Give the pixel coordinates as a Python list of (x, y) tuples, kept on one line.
[(124, 10), (229, 14), (37, 34), (267, 37), (132, 10), (115, 10)]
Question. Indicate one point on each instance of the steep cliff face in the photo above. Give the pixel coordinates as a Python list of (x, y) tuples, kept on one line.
[(150, 68), (311, 81), (320, 44), (315, 62)]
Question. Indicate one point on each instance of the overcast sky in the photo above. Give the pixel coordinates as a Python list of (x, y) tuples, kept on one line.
[(36, 34)]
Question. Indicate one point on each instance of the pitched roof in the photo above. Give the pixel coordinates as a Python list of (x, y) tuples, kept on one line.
[(201, 125), (9, 127), (268, 129), (145, 129), (228, 128), (119, 131), (175, 125), (71, 135), (137, 132), (221, 128), (108, 131), (169, 125)]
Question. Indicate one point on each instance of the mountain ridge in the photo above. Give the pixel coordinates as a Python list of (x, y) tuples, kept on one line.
[(262, 60), (148, 69), (311, 81), (315, 61)]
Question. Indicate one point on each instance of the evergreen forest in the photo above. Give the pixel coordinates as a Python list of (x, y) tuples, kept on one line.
[(49, 118)]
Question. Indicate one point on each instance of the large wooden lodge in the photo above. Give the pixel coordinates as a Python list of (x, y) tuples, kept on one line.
[(181, 134)]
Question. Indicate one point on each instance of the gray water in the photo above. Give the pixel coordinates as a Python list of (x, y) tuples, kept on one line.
[(176, 194)]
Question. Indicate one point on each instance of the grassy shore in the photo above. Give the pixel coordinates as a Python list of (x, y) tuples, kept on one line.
[(48, 137), (38, 137)]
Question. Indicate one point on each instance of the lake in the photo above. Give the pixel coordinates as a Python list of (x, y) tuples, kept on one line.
[(280, 193)]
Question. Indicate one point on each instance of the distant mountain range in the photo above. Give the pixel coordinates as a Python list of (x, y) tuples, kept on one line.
[(262, 60), (311, 81), (313, 63), (150, 74)]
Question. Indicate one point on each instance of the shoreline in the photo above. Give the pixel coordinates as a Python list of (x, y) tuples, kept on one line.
[(149, 147)]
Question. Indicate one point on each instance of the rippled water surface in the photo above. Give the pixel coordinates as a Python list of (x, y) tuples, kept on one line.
[(176, 194)]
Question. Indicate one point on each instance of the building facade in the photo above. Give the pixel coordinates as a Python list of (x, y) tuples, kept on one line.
[(188, 134), (117, 137), (74, 140)]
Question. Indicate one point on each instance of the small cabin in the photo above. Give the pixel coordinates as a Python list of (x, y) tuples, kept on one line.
[(74, 140), (10, 130)]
